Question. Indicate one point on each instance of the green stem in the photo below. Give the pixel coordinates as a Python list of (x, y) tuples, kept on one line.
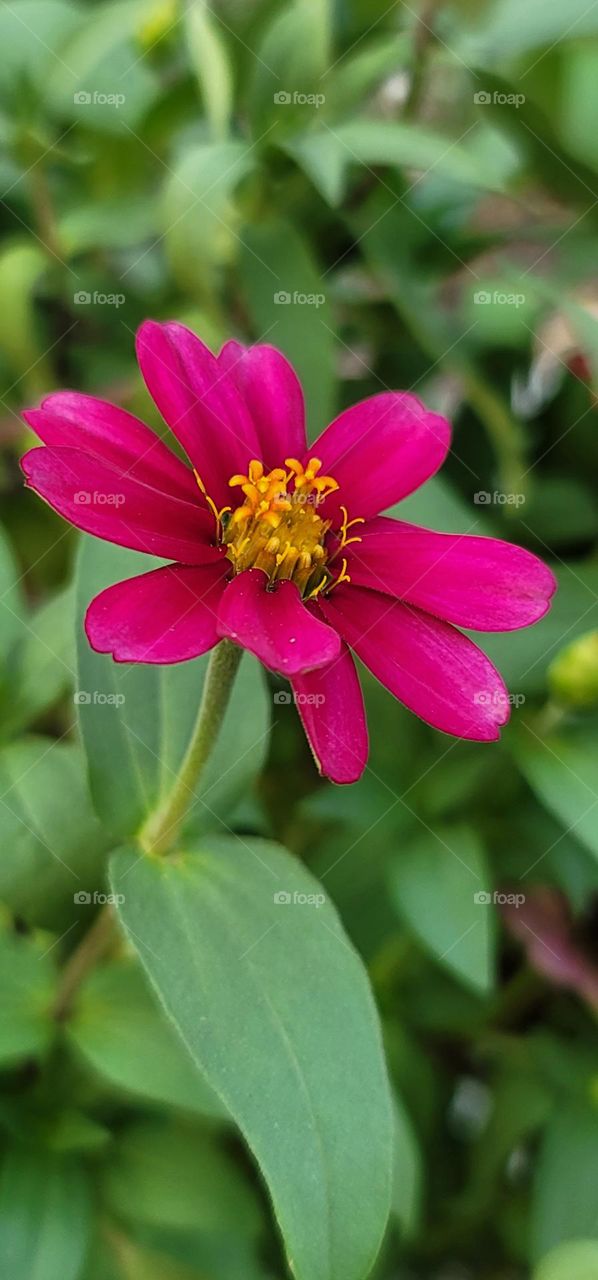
[(161, 830), (98, 940)]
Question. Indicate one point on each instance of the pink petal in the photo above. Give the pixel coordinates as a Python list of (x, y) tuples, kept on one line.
[(330, 703), (275, 625), (482, 583), (98, 499), (200, 403), (380, 450), (168, 615), (433, 669), (70, 420), (272, 392)]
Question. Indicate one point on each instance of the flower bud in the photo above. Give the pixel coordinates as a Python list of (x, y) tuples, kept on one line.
[(573, 676)]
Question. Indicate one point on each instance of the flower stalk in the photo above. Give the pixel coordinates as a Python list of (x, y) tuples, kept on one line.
[(160, 831)]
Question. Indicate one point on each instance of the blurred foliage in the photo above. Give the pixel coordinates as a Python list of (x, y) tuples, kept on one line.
[(397, 196)]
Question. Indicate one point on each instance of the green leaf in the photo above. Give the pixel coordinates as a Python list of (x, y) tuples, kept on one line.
[(575, 1260), (508, 30), (40, 667), (136, 720), (101, 80), (327, 156), (561, 769), (523, 657), (287, 299), (44, 1217), (27, 981), (211, 63), (201, 219), (119, 1027), (272, 1001), (407, 1174), (565, 1203), (12, 602), (32, 33), (291, 59), (52, 843), (440, 884), (21, 267), (164, 1175)]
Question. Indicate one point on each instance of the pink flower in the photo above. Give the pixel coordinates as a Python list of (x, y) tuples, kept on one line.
[(281, 548)]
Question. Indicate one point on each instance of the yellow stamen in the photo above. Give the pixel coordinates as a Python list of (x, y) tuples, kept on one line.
[(277, 526)]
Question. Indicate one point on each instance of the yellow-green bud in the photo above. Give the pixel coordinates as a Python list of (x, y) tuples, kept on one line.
[(157, 23), (573, 676)]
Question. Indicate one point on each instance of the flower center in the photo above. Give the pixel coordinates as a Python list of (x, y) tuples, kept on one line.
[(278, 528)]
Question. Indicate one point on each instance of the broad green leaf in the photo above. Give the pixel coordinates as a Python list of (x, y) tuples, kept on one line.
[(288, 300), (327, 155), (52, 843), (407, 1175), (28, 983), (200, 216), (562, 769), (40, 666), (12, 603), (575, 1260), (136, 720), (120, 1028), (565, 1201), (247, 957), (165, 1175), (440, 884), (209, 58), (44, 1217)]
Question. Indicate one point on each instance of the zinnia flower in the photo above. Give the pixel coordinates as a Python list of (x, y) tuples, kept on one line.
[(280, 547)]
